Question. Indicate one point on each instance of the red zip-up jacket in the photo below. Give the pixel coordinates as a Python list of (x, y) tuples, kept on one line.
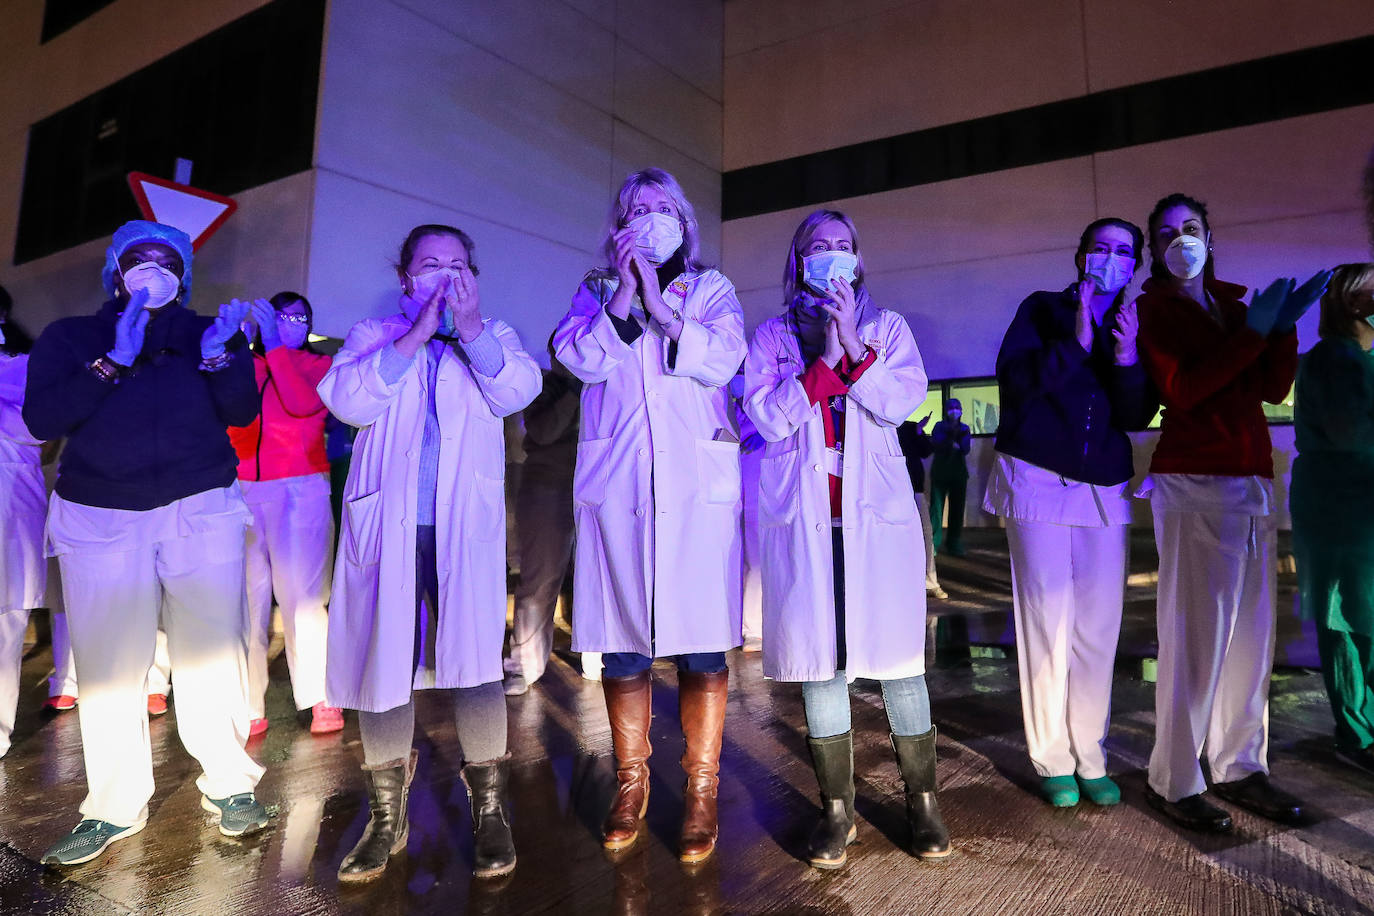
[(1212, 379), (287, 438)]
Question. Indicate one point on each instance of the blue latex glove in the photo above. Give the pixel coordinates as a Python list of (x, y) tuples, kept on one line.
[(1300, 300), (129, 329), (1265, 305), (226, 326)]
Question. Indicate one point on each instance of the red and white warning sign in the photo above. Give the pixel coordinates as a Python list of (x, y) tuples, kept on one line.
[(197, 213)]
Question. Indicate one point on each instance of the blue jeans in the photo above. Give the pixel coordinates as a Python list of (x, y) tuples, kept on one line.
[(624, 664), (827, 706)]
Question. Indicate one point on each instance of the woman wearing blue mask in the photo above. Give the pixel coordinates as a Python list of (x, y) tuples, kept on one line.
[(655, 338), (827, 382), (419, 595), (1332, 501), (1071, 387)]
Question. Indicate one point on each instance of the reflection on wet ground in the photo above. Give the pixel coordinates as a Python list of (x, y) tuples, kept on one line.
[(1013, 854)]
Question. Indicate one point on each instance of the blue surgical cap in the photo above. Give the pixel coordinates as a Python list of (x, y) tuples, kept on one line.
[(141, 230)]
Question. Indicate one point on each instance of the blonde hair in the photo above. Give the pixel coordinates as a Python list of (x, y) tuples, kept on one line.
[(625, 201), (1338, 314), (792, 286)]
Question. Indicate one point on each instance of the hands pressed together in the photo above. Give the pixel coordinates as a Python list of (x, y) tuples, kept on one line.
[(454, 307)]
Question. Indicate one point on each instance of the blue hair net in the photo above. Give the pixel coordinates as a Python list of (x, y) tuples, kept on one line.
[(141, 230)]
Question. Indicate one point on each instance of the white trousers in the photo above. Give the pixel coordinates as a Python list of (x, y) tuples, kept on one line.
[(1216, 647), (63, 679), (544, 533), (290, 553), (182, 563), (928, 535), (1067, 587), (12, 627)]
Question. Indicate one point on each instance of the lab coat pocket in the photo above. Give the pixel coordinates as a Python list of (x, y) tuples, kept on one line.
[(487, 518), (363, 516), (718, 471), (887, 489), (778, 489), (593, 469)]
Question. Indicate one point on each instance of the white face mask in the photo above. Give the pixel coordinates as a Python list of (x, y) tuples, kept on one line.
[(1186, 256), (423, 285), (820, 268), (291, 333), (659, 236), (1109, 272), (162, 285)]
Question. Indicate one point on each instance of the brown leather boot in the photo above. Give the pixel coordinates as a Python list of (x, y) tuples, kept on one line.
[(701, 704), (628, 704)]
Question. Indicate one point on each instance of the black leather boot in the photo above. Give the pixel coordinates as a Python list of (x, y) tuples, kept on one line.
[(493, 846), (916, 760), (833, 760), (388, 796)]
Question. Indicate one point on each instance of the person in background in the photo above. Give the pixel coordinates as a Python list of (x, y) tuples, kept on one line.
[(148, 523), (827, 382), (420, 589), (950, 440), (1332, 504), (1215, 363), (544, 528), (655, 337), (23, 509), (1071, 387), (916, 446), (284, 475)]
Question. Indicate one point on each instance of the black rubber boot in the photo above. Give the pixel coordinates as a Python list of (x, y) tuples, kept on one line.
[(833, 760), (916, 760), (493, 846), (388, 796)]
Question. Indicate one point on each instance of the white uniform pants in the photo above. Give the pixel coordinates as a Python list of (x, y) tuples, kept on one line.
[(63, 679), (1067, 588), (1216, 647), (544, 532), (182, 562), (290, 548), (928, 535), (12, 627)]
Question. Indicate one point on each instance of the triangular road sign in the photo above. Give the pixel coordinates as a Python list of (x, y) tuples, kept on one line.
[(197, 213)]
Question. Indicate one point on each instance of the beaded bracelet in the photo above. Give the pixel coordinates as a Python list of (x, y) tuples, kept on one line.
[(106, 369), (216, 363)]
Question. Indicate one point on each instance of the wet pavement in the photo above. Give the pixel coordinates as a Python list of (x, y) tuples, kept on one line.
[(1013, 854)]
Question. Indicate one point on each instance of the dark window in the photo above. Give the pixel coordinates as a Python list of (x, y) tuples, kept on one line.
[(60, 15), (239, 103)]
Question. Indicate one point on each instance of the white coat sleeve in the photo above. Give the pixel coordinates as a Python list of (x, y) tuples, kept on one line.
[(355, 389), (774, 398), (519, 380), (711, 347), (895, 384), (12, 426), (586, 342)]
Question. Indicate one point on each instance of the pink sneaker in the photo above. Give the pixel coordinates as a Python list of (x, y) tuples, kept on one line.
[(325, 719), (257, 727), (157, 704)]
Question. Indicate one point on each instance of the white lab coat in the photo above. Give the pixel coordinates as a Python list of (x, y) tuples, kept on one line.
[(23, 499), (656, 491), (372, 615), (884, 591)]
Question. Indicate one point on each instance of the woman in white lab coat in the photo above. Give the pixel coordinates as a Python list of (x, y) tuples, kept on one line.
[(827, 382), (419, 585), (656, 337)]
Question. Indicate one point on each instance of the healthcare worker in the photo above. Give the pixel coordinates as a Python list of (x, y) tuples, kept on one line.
[(1215, 363), (147, 521), (655, 338), (1071, 386), (950, 440), (285, 479), (827, 383), (420, 586), (23, 507), (1332, 502)]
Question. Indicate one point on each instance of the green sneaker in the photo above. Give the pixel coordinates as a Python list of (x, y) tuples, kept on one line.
[(86, 841), (238, 814), (1100, 791), (1060, 791)]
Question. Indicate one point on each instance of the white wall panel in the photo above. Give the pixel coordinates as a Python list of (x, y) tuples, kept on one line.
[(685, 36), (653, 99)]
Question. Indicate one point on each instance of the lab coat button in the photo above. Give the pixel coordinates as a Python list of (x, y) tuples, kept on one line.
[(815, 467), (820, 526), (644, 451), (639, 512)]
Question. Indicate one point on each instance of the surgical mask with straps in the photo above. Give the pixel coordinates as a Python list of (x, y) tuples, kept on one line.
[(1186, 256)]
